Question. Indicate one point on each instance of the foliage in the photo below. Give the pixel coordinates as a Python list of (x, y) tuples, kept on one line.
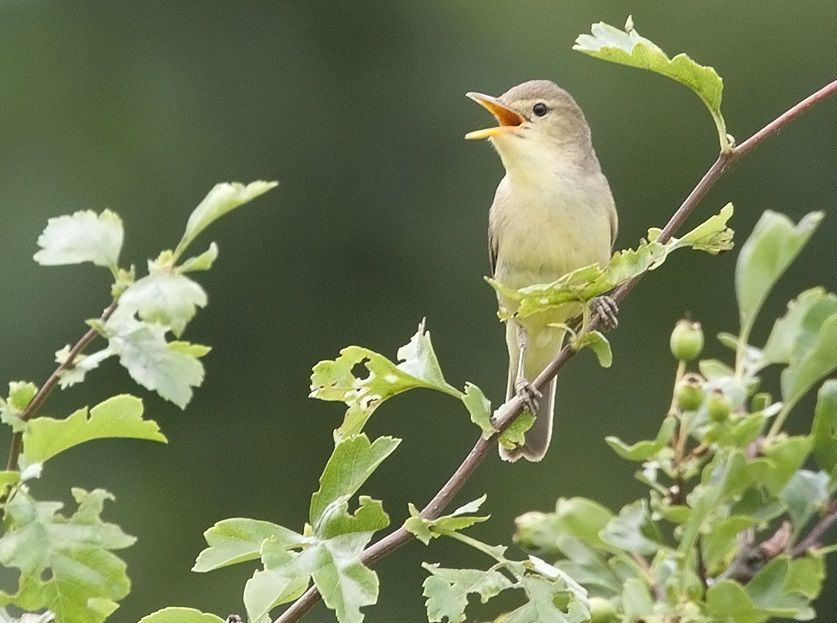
[(730, 530), (67, 564), (721, 535)]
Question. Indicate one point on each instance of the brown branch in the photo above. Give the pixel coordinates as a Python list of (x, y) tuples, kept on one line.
[(31, 409), (812, 540), (511, 409)]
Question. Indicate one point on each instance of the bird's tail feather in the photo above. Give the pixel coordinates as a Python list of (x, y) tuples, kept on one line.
[(541, 348)]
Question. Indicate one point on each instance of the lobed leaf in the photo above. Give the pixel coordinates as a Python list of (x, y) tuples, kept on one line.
[(65, 563), (117, 417), (82, 237), (237, 540), (332, 558), (588, 282), (171, 369), (354, 459), (425, 529), (629, 48), (267, 588), (166, 297), (21, 393), (447, 590), (339, 380)]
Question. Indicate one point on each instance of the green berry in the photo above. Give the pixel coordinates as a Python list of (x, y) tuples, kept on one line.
[(602, 611), (689, 392), (686, 340), (717, 406)]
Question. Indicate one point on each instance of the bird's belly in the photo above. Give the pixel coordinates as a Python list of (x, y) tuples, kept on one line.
[(542, 250)]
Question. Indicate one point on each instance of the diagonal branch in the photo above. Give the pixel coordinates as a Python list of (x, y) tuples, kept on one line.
[(31, 409), (511, 409)]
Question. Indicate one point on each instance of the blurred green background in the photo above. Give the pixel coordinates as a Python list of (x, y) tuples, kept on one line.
[(359, 110)]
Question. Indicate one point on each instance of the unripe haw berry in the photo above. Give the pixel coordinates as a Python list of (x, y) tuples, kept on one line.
[(686, 340), (717, 406), (602, 611), (689, 392)]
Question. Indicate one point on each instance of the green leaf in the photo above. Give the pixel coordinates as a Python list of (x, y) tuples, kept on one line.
[(597, 342), (819, 361), (769, 590), (237, 540), (204, 261), (720, 544), (268, 589), (805, 494), (426, 529), (515, 434), (632, 530), (728, 602), (805, 576), (646, 449), (165, 297), (119, 416), (479, 407), (796, 332), (588, 282), (222, 199), (629, 48), (82, 237), (8, 478), (447, 590), (170, 369), (82, 364), (824, 428), (339, 380), (29, 617), (21, 394), (333, 558), (65, 562), (636, 601), (767, 253), (546, 601), (354, 459), (180, 615), (782, 457)]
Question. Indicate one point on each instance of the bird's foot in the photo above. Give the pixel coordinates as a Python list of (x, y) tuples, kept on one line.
[(606, 309), (528, 393)]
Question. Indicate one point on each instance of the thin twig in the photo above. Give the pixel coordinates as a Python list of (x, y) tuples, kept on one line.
[(812, 540), (31, 409), (509, 411)]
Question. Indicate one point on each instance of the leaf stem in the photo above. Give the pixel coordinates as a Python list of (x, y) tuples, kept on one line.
[(31, 409), (509, 411)]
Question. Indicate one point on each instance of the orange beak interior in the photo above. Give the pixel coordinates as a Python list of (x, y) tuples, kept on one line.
[(506, 117)]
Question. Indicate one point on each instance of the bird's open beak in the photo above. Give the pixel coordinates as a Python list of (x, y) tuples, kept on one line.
[(506, 117)]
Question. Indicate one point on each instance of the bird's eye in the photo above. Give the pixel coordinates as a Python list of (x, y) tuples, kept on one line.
[(540, 109)]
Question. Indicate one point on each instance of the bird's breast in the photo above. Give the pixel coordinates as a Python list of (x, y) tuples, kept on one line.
[(542, 232)]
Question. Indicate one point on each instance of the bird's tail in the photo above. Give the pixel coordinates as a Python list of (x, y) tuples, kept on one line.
[(542, 346)]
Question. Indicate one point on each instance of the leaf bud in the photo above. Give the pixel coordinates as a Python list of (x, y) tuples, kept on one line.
[(686, 340), (602, 611), (717, 406), (689, 392)]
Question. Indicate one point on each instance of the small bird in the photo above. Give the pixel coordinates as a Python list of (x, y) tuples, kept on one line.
[(553, 212)]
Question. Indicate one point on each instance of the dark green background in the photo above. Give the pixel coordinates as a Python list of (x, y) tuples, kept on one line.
[(358, 110)]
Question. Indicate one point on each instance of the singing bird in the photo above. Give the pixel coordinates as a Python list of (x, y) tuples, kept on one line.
[(553, 212)]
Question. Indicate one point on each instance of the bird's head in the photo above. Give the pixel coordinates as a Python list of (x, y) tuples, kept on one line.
[(539, 124)]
